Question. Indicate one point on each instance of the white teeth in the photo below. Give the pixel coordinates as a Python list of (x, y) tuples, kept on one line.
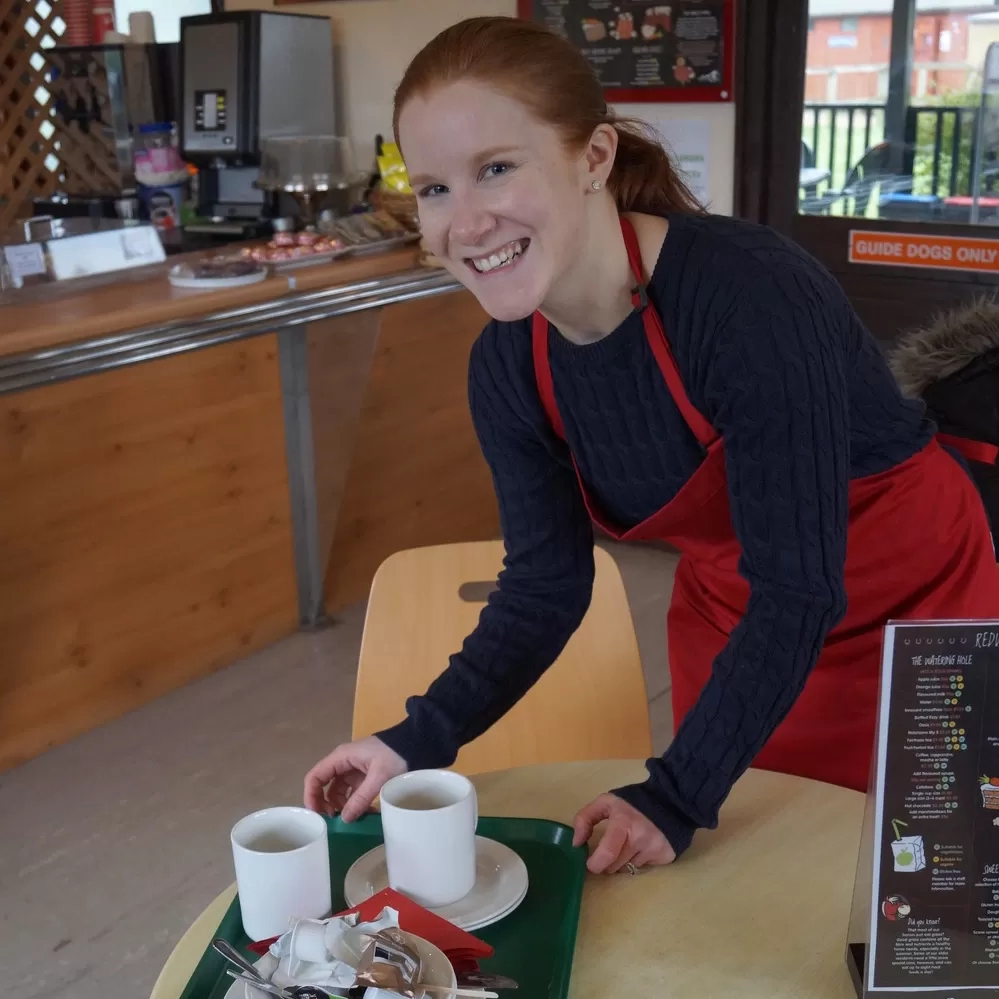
[(500, 258)]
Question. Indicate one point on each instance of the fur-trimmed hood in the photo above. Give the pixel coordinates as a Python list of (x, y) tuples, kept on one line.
[(947, 345)]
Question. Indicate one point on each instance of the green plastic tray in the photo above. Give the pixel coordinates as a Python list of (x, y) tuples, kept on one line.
[(533, 945)]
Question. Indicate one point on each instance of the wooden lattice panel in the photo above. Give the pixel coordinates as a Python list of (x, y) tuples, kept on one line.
[(29, 165)]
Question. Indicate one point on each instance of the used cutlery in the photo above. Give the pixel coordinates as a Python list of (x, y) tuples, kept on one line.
[(313, 992), (285, 992), (230, 953), (447, 990), (485, 980), (254, 977)]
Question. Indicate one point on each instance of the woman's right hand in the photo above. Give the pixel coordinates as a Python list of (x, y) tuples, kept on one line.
[(349, 779)]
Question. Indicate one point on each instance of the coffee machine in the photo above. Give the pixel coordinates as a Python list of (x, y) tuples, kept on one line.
[(247, 76)]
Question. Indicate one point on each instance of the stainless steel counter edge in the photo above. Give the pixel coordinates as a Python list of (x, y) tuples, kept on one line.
[(55, 364)]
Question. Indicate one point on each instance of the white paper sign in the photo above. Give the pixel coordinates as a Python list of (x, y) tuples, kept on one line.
[(24, 260), (689, 140), (105, 250)]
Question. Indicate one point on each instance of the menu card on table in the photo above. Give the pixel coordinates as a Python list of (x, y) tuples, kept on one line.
[(934, 904), (644, 50)]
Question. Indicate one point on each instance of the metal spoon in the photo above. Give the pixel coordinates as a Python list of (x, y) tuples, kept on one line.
[(312, 992), (447, 990), (486, 980), (258, 983), (288, 992), (251, 975), (230, 953)]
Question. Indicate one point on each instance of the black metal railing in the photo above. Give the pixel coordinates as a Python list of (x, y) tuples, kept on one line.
[(939, 143), (839, 135), (940, 148)]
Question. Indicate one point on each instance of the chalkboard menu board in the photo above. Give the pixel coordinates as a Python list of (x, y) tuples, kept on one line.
[(934, 907), (680, 51)]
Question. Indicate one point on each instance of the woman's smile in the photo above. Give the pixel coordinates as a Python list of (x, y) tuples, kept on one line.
[(500, 260)]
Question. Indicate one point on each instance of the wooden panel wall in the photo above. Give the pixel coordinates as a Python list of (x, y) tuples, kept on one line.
[(417, 476), (144, 537)]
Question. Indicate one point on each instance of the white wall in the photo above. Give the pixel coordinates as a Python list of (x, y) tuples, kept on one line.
[(376, 39)]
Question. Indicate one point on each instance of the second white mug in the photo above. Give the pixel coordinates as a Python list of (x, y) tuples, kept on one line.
[(428, 820)]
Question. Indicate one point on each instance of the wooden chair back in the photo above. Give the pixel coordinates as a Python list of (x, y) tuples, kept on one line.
[(590, 705)]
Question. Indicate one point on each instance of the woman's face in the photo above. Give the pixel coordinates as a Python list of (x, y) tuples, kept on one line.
[(501, 201)]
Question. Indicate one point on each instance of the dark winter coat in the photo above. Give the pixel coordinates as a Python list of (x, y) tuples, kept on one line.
[(953, 366)]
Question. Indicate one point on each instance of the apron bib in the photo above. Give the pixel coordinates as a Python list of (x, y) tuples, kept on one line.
[(950, 573)]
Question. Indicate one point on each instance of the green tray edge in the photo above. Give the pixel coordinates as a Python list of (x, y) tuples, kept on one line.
[(211, 965)]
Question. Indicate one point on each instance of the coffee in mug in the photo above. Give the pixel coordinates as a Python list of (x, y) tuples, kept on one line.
[(282, 862), (428, 820)]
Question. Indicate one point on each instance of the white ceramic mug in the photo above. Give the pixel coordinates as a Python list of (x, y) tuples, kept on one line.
[(428, 820), (282, 862)]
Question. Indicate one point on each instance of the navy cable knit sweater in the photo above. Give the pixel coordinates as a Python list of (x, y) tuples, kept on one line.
[(773, 355)]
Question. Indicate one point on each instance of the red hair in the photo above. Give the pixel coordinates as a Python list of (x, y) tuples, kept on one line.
[(549, 76)]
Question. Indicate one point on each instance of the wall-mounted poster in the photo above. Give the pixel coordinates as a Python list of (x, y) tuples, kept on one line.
[(680, 51)]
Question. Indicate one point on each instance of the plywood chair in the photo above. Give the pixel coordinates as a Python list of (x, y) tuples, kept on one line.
[(591, 704)]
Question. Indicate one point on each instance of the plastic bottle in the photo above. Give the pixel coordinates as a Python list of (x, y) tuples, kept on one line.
[(161, 174)]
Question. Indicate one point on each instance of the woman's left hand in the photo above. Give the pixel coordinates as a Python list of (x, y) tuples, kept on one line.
[(629, 837)]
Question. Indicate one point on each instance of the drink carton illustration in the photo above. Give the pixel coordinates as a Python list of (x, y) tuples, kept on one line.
[(909, 852)]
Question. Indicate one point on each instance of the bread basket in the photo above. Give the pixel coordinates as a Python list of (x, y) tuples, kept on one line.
[(401, 207)]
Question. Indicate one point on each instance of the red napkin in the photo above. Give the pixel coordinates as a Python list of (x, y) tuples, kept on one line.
[(462, 949)]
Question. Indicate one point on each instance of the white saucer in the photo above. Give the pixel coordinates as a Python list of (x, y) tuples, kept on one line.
[(500, 884)]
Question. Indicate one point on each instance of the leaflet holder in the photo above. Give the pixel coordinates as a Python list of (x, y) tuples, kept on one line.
[(859, 935), (924, 917)]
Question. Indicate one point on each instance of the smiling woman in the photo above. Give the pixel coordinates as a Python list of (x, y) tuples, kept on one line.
[(674, 377), (505, 132)]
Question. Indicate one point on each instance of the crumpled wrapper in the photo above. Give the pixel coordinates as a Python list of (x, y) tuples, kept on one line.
[(390, 962)]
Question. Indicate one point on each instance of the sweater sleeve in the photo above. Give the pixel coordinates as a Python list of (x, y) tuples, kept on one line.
[(773, 381), (546, 582)]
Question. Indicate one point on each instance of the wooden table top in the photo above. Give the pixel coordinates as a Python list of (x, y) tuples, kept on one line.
[(757, 908), (133, 302)]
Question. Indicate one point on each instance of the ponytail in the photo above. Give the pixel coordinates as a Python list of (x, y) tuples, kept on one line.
[(554, 81)]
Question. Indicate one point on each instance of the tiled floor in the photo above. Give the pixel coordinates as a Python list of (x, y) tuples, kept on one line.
[(111, 845)]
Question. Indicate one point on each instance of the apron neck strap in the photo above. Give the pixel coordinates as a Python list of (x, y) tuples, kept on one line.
[(656, 335), (700, 427), (639, 299)]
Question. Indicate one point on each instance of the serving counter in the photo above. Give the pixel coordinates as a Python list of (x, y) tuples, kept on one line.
[(190, 475)]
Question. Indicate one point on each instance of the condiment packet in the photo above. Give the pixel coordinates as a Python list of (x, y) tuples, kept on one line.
[(393, 169), (390, 962)]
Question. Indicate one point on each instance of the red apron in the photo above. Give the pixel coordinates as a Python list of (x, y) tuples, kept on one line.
[(918, 547)]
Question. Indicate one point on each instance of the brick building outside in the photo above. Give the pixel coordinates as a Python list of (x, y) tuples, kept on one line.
[(849, 43)]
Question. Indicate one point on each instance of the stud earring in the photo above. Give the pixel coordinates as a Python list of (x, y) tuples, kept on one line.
[(596, 185)]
